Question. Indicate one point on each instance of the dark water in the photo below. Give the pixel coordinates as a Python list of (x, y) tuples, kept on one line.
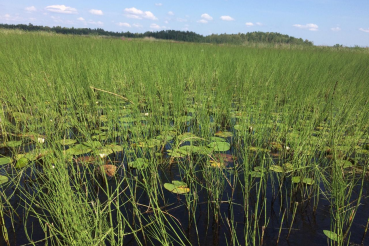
[(204, 228)]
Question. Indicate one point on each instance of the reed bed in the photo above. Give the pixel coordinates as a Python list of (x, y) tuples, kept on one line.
[(111, 142)]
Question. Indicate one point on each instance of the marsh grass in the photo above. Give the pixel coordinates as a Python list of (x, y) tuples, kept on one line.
[(298, 120)]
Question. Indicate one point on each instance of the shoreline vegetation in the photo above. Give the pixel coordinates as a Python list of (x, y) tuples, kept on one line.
[(110, 142), (185, 36)]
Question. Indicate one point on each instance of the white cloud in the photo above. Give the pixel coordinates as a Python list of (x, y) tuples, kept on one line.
[(137, 25), (81, 19), (31, 9), (202, 21), (96, 12), (166, 22), (226, 18), (8, 17), (98, 23), (249, 24), (154, 26), (364, 29), (336, 29), (259, 23), (158, 4), (310, 27), (124, 24), (61, 9), (170, 13), (138, 14), (181, 20), (206, 17)]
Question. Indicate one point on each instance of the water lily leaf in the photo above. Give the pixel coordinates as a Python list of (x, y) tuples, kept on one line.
[(150, 143), (331, 235), (79, 149), (165, 138), (184, 118), (109, 170), (188, 136), (344, 163), (308, 181), (227, 158), (115, 148), (177, 153), (276, 169), (100, 137), (239, 127), (224, 134), (3, 179), (5, 160), (103, 152), (92, 144), (276, 146), (256, 174), (257, 149), (296, 179), (217, 164), (139, 163), (217, 139), (22, 162), (219, 146), (67, 141), (288, 167), (178, 189), (179, 183), (13, 144)]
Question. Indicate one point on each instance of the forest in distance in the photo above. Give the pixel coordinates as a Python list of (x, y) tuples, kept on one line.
[(186, 36)]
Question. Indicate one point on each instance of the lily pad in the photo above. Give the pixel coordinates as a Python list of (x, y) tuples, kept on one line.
[(5, 160), (13, 144), (177, 153), (344, 163), (219, 146), (217, 139), (217, 164), (177, 187), (184, 118), (67, 141), (103, 152), (22, 162), (150, 143), (257, 149), (256, 174), (3, 179), (224, 134), (288, 167), (92, 144), (109, 170), (115, 148), (331, 235), (139, 163), (276, 169), (297, 179), (79, 149), (179, 183), (188, 136)]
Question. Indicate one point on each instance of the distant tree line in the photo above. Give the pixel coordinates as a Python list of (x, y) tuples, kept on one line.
[(186, 36)]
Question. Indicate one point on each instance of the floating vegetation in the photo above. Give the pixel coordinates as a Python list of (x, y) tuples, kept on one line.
[(177, 187), (161, 143)]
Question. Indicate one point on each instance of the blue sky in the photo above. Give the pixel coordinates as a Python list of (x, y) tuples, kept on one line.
[(325, 22)]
